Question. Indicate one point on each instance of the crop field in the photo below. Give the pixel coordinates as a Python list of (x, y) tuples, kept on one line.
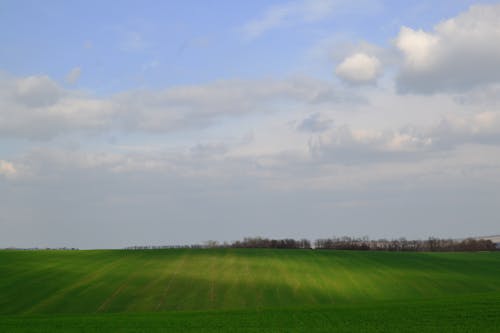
[(248, 290)]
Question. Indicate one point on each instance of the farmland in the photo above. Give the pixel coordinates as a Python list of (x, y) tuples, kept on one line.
[(250, 290)]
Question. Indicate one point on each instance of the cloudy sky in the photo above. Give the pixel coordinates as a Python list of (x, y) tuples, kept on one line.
[(174, 122)]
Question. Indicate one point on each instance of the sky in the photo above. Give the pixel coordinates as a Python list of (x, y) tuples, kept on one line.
[(177, 122)]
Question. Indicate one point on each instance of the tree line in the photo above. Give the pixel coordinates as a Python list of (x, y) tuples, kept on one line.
[(431, 244), (248, 243), (402, 244)]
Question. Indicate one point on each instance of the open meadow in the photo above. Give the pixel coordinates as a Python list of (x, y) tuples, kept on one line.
[(251, 290)]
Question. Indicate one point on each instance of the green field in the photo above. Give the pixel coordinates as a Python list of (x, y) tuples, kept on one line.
[(251, 290)]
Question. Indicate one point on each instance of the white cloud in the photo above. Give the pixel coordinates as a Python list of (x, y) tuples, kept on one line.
[(272, 154), (35, 91), (453, 130), (289, 13), (346, 145), (359, 68), (37, 108), (195, 106), (401, 172), (459, 54), (73, 75), (7, 169), (30, 115), (418, 48)]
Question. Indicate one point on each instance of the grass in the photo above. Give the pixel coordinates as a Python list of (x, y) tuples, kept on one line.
[(248, 290)]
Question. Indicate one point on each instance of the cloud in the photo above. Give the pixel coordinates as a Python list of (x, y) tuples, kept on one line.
[(35, 91), (209, 149), (7, 169), (27, 113), (315, 123), (38, 108), (263, 154), (452, 130), (289, 14), (351, 174), (73, 75), (359, 68), (417, 47), (487, 97), (459, 54), (345, 145), (199, 105)]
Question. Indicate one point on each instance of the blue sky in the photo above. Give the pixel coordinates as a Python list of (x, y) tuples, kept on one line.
[(159, 44), (148, 122)]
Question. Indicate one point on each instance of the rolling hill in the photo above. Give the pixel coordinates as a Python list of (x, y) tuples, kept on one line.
[(136, 290)]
